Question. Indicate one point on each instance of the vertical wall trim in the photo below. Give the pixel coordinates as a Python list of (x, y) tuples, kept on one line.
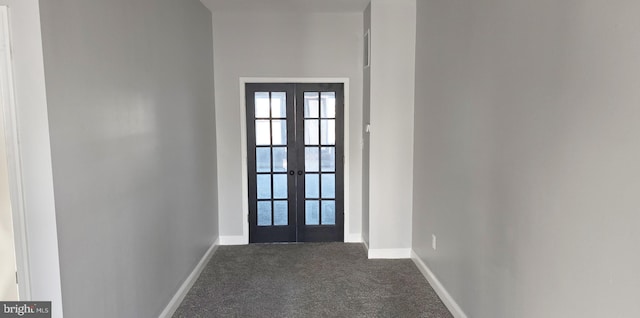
[(32, 126), (14, 167)]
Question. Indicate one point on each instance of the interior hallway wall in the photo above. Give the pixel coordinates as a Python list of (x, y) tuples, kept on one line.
[(390, 141), (527, 134), (131, 113), (282, 44), (366, 119)]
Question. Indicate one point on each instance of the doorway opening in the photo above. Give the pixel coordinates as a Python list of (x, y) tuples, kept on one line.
[(295, 161)]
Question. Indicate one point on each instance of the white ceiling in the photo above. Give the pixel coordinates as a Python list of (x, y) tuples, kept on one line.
[(287, 5)]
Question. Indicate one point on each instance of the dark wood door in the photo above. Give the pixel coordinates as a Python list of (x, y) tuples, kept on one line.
[(295, 157)]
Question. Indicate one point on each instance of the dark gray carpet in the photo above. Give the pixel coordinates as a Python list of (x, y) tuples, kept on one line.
[(309, 280)]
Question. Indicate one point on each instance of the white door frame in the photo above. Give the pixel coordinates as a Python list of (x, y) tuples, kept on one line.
[(7, 94), (40, 275), (243, 138)]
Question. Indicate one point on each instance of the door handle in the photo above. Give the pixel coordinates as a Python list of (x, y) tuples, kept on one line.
[(291, 172), (299, 172)]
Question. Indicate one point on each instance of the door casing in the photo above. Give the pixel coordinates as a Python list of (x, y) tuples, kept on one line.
[(243, 137), (13, 159)]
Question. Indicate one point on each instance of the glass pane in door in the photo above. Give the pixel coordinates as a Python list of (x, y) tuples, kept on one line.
[(328, 212), (264, 186), (311, 132), (264, 213), (311, 159), (328, 108), (311, 105), (263, 159), (328, 186), (328, 159), (312, 212), (279, 132), (279, 105), (262, 104), (280, 186), (280, 213), (263, 134), (312, 186), (279, 159), (328, 131)]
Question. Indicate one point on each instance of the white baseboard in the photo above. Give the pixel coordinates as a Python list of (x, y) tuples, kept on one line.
[(233, 240), (448, 301), (366, 246), (353, 238), (177, 299), (389, 253)]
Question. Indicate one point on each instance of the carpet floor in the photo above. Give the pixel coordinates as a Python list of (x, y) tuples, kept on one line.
[(309, 280)]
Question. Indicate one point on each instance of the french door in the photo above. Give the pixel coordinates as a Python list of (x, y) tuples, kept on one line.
[(295, 162)]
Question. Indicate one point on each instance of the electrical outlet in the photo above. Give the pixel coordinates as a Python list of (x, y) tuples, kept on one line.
[(433, 241)]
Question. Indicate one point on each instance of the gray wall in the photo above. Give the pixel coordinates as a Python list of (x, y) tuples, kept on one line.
[(282, 44), (366, 119), (392, 76), (527, 126), (131, 111)]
